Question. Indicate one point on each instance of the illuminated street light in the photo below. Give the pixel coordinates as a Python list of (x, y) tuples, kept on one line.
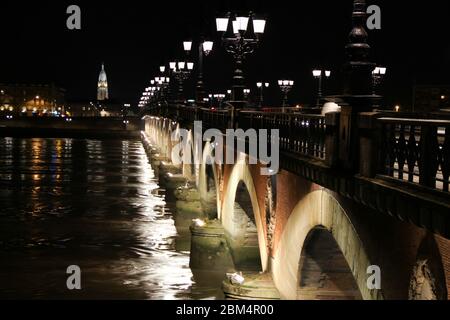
[(181, 71), (246, 94), (262, 86), (377, 77), (240, 37), (319, 74), (286, 87), (204, 49)]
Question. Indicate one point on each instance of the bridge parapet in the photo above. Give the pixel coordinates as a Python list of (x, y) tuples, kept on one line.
[(416, 151), (398, 161)]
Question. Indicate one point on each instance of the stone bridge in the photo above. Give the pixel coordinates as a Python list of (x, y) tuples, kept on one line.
[(359, 208), (355, 191)]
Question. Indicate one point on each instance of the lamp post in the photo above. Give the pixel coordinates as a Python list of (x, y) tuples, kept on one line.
[(162, 83), (262, 86), (204, 49), (240, 37), (286, 87), (219, 97), (377, 76), (181, 70), (246, 94), (318, 74)]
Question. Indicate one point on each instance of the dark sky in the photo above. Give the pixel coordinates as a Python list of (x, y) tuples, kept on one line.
[(134, 37)]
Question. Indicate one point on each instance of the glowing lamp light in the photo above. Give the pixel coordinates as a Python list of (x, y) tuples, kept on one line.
[(162, 69), (259, 26), (190, 65), (317, 73), (181, 65), (259, 84), (187, 45), (222, 24), (235, 27), (242, 23), (173, 65), (208, 46), (327, 73)]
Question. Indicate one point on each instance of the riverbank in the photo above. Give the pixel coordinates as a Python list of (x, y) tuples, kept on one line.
[(96, 127)]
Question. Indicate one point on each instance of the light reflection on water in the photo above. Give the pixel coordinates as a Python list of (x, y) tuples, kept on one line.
[(96, 204)]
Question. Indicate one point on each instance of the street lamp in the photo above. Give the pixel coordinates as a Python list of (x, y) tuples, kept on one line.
[(204, 49), (219, 97), (240, 37), (286, 87), (246, 94), (262, 86), (181, 70), (377, 76), (318, 74)]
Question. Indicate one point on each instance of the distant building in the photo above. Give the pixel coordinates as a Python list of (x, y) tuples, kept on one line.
[(110, 108), (82, 108), (32, 99), (102, 85), (431, 98)]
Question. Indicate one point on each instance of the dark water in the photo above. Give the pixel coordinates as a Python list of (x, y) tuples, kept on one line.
[(95, 204)]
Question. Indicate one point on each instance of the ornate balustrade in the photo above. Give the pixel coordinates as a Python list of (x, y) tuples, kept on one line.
[(404, 149), (417, 151), (301, 134)]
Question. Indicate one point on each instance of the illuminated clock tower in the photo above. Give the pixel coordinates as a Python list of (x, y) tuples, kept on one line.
[(102, 86)]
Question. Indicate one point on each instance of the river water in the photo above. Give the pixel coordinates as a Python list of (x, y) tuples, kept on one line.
[(95, 204)]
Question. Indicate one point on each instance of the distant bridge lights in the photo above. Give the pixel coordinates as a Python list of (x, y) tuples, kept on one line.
[(204, 49), (285, 87), (377, 77), (182, 71), (319, 74), (246, 94), (261, 86)]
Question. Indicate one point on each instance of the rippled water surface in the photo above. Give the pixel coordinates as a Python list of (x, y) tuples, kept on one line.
[(95, 204)]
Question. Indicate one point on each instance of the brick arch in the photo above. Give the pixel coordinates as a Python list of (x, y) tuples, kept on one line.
[(203, 178), (188, 158), (319, 209), (429, 280), (164, 138), (241, 173)]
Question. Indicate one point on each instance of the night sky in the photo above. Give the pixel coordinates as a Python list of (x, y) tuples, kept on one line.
[(134, 37)]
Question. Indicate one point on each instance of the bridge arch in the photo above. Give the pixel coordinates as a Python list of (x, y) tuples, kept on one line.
[(208, 183), (189, 156), (428, 279), (319, 210), (240, 180)]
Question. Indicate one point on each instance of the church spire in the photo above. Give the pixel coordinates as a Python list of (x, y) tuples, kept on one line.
[(102, 85)]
